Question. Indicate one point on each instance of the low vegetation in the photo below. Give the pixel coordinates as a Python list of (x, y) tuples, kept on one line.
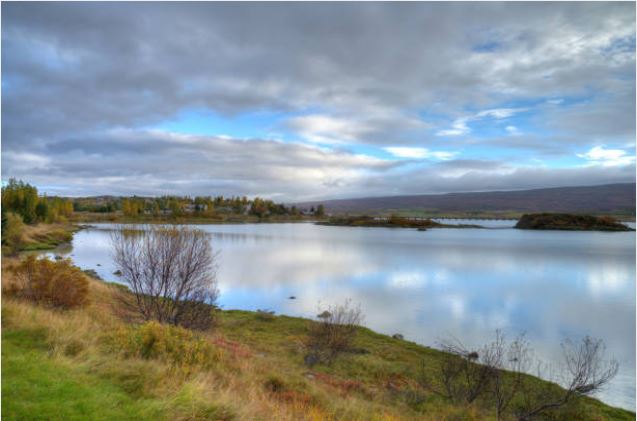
[(54, 284), (393, 221), (333, 334), (569, 222)]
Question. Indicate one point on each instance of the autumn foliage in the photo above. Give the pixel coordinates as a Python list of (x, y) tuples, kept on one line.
[(56, 284)]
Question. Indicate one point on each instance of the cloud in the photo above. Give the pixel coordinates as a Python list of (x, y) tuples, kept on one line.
[(376, 126), (513, 131), (158, 162), (83, 82), (598, 155), (460, 127), (418, 153), (326, 129)]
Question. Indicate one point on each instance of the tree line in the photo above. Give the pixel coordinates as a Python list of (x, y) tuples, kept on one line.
[(198, 206), (22, 199)]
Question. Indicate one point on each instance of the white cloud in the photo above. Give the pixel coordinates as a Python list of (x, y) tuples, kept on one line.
[(513, 131), (320, 128), (369, 124), (460, 127), (598, 155), (499, 112), (418, 153)]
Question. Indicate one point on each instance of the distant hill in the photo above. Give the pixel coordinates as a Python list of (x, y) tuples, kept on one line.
[(606, 199)]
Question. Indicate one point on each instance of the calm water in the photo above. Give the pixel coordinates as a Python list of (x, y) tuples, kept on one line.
[(429, 285)]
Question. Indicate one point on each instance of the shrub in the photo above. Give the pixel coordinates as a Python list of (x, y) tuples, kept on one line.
[(56, 284), (495, 374), (172, 344), (334, 333)]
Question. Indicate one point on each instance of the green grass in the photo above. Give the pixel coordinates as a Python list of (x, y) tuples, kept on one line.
[(258, 373), (36, 387), (381, 360)]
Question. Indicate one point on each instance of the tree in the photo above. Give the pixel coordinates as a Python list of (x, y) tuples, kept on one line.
[(320, 210), (171, 273), (42, 210), (13, 232), (21, 198)]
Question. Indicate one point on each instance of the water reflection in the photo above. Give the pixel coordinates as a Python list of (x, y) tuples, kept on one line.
[(427, 285)]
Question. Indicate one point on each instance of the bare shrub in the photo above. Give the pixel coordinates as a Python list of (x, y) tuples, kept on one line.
[(510, 363), (170, 272), (56, 284), (334, 333), (464, 373), (496, 374), (585, 372)]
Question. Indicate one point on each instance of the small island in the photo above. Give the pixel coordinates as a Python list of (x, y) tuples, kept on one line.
[(394, 221), (569, 222)]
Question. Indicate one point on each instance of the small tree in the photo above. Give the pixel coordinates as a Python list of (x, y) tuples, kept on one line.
[(171, 273), (320, 211)]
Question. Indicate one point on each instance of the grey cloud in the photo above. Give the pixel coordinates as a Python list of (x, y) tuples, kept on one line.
[(152, 162)]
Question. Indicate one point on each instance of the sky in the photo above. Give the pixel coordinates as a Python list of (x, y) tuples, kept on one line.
[(310, 101)]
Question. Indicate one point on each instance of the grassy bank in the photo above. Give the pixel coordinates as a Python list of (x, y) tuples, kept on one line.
[(91, 364), (46, 236)]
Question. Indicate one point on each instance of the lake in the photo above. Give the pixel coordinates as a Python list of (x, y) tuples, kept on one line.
[(430, 285)]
